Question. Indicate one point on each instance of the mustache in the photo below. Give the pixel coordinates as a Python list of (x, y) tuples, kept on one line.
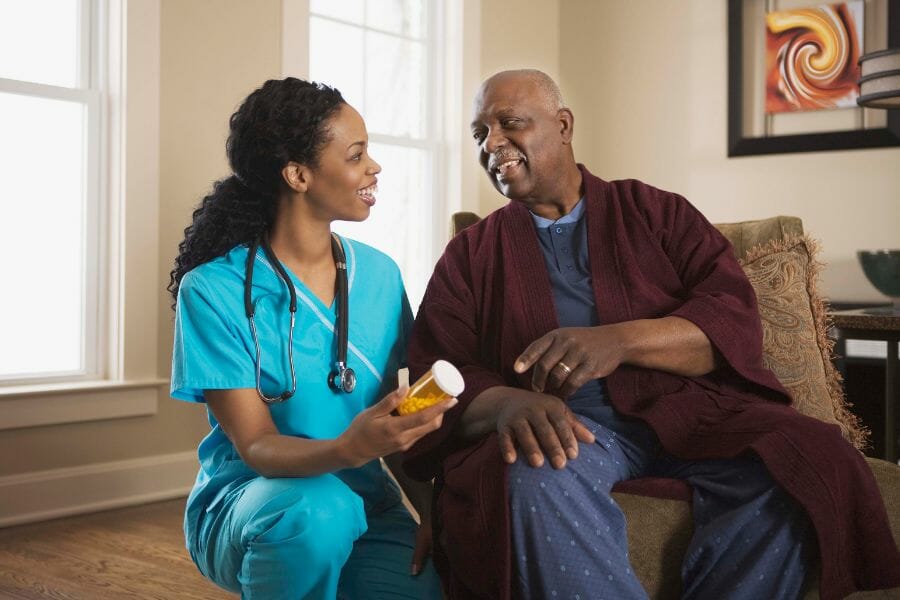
[(499, 158)]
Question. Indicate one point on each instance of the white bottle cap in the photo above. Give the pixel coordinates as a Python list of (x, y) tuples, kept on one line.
[(448, 378)]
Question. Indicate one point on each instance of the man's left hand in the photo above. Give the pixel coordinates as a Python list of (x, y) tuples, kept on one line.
[(567, 358)]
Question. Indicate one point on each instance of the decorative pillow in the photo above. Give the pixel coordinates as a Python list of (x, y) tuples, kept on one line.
[(784, 273)]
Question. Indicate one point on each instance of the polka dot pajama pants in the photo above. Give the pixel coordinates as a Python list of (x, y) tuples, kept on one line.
[(569, 539)]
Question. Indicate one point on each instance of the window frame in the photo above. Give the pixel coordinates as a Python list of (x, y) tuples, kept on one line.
[(89, 91), (126, 268), (451, 38)]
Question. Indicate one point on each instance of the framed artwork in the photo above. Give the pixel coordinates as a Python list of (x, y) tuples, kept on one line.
[(793, 71)]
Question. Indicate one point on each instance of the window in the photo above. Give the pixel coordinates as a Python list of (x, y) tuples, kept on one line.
[(51, 210), (385, 58)]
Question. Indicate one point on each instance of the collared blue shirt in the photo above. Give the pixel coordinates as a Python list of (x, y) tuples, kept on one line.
[(564, 245)]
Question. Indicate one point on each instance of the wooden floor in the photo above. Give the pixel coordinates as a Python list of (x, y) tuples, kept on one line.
[(133, 552)]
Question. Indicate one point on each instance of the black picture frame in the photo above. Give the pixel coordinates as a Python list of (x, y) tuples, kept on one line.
[(741, 145)]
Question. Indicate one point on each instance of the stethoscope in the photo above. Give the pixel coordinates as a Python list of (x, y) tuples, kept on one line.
[(342, 378)]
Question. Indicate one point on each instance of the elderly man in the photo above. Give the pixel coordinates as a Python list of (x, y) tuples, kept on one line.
[(606, 328)]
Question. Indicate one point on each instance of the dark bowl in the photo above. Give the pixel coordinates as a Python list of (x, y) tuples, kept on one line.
[(882, 268)]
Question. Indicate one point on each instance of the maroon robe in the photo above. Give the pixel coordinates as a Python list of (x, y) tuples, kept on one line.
[(652, 254)]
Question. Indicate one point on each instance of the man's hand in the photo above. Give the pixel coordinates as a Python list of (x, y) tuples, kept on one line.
[(539, 425), (565, 359)]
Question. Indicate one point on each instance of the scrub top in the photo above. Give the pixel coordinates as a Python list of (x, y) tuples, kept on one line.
[(214, 349)]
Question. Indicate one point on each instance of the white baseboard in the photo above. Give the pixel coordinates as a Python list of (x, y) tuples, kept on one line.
[(43, 495)]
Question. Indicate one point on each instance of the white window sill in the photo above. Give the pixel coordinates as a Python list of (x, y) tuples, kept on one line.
[(74, 402)]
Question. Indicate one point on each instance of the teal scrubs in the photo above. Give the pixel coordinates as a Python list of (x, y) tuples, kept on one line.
[(344, 534)]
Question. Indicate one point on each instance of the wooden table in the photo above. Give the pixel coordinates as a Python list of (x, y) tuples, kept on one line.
[(877, 324)]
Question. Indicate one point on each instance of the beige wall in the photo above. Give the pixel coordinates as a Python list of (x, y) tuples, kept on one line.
[(647, 81), (514, 35), (208, 66)]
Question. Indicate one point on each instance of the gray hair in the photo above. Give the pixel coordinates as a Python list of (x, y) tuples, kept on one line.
[(543, 82)]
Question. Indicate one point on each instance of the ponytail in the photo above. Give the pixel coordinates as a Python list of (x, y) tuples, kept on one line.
[(232, 214)]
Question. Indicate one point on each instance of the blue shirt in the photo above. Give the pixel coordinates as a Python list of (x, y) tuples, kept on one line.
[(565, 248)]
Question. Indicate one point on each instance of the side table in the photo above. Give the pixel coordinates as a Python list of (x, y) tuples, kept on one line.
[(877, 324)]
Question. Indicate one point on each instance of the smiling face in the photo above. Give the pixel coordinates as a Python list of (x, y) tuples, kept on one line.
[(342, 186), (524, 139)]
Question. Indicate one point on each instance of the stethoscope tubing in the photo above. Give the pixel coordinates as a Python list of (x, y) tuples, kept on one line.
[(342, 378), (340, 264), (288, 393)]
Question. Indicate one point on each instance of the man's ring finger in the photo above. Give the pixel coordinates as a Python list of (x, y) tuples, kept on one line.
[(564, 367)]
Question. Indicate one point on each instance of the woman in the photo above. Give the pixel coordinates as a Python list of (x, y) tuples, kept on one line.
[(291, 500)]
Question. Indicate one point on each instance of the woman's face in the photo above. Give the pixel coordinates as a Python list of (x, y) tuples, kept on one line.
[(343, 185)]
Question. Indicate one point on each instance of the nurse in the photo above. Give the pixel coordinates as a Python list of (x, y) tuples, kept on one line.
[(291, 500)]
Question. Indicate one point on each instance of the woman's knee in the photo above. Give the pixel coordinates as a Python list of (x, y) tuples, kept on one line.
[(312, 519)]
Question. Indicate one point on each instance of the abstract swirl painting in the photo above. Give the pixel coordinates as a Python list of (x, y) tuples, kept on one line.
[(811, 57)]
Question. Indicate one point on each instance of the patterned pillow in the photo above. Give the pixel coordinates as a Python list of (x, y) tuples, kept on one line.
[(784, 274)]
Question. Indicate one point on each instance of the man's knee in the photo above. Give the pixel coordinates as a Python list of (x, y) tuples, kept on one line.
[(593, 476)]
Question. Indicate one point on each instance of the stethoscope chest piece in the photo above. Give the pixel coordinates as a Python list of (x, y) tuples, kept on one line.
[(343, 380)]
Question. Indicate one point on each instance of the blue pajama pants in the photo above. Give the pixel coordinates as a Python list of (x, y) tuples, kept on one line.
[(751, 540), (296, 538)]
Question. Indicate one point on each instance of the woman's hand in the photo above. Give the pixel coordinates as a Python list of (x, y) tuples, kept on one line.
[(423, 547), (419, 494), (375, 432)]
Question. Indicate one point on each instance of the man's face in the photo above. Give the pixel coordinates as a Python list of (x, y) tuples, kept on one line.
[(520, 137)]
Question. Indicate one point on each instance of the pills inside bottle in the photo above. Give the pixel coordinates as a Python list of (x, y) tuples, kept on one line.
[(439, 383)]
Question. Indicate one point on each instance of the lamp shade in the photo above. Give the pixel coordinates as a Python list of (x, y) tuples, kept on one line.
[(879, 81)]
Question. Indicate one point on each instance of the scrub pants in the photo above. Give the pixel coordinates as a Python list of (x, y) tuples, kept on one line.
[(751, 540), (296, 538)]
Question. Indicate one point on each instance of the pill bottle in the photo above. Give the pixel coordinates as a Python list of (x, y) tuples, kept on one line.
[(440, 382)]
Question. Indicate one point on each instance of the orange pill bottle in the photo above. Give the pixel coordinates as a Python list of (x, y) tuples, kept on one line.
[(439, 383)]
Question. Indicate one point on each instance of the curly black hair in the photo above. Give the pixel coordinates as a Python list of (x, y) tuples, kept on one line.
[(284, 120)]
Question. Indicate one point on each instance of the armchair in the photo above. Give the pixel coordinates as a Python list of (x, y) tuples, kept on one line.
[(660, 527)]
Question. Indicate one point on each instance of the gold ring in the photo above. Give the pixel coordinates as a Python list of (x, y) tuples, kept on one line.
[(564, 367)]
